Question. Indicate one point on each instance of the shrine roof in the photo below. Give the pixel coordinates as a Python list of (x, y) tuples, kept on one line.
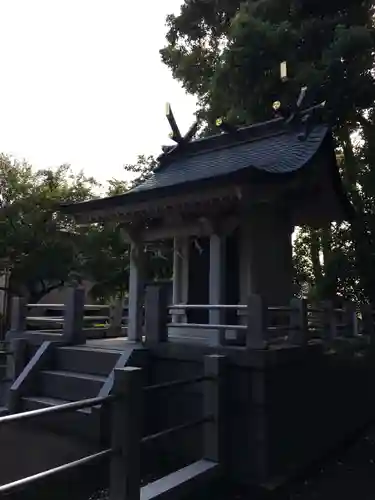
[(278, 154), (273, 148)]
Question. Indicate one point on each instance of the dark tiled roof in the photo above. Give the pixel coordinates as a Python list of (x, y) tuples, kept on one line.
[(279, 153), (272, 147)]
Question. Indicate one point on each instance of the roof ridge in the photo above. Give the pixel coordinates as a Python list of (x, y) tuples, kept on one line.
[(249, 133)]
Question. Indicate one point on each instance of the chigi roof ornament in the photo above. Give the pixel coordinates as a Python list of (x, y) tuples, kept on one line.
[(297, 114), (175, 134)]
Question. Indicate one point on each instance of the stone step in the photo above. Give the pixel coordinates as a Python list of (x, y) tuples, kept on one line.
[(68, 385), (36, 402), (3, 411), (83, 423), (85, 360)]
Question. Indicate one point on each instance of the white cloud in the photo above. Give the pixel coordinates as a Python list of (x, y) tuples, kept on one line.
[(82, 82)]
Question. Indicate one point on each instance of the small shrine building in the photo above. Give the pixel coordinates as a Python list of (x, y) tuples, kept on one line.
[(230, 202)]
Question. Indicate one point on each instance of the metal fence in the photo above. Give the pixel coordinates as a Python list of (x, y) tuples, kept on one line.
[(126, 405)]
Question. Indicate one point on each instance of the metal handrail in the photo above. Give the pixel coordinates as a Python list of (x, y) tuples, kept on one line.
[(315, 309), (47, 319), (48, 306), (226, 306), (29, 415), (282, 328), (208, 326), (58, 307), (96, 318), (22, 483), (207, 306), (280, 309), (93, 307), (66, 407), (6, 353), (177, 428), (176, 383)]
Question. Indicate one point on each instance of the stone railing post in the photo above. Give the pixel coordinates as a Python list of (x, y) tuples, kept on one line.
[(18, 315), (256, 335), (329, 321), (156, 314), (215, 408), (350, 319), (368, 322), (127, 421), (115, 318), (298, 322), (18, 358), (73, 317)]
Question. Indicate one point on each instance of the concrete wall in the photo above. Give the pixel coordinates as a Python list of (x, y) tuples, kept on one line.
[(284, 409), (313, 404)]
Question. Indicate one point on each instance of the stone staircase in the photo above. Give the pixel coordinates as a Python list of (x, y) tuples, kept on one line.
[(73, 373)]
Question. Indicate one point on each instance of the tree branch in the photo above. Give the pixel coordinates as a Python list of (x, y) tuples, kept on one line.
[(364, 122), (48, 289)]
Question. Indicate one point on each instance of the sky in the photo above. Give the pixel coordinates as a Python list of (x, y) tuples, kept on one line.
[(83, 83)]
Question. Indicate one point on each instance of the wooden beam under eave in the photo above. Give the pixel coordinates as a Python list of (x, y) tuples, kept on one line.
[(164, 233), (198, 228), (159, 206)]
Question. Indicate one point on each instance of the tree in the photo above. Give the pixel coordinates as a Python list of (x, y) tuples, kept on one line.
[(42, 249), (236, 48), (104, 251), (141, 170), (37, 243), (196, 39)]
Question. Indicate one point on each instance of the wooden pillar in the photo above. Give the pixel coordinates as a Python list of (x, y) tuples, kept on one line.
[(136, 289), (180, 275), (244, 267), (217, 283)]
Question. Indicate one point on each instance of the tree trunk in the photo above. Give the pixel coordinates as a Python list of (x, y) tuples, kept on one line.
[(365, 262), (315, 256), (330, 277)]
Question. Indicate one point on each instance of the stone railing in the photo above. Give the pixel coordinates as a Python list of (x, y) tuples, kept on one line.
[(254, 325), (257, 325), (72, 322)]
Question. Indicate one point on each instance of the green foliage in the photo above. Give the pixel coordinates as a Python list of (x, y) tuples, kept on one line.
[(104, 255), (141, 170), (37, 243), (104, 260), (42, 249)]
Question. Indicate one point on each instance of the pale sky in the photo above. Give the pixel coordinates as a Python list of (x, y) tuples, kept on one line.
[(82, 83)]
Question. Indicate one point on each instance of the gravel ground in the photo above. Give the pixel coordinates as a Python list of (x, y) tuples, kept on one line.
[(351, 476)]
